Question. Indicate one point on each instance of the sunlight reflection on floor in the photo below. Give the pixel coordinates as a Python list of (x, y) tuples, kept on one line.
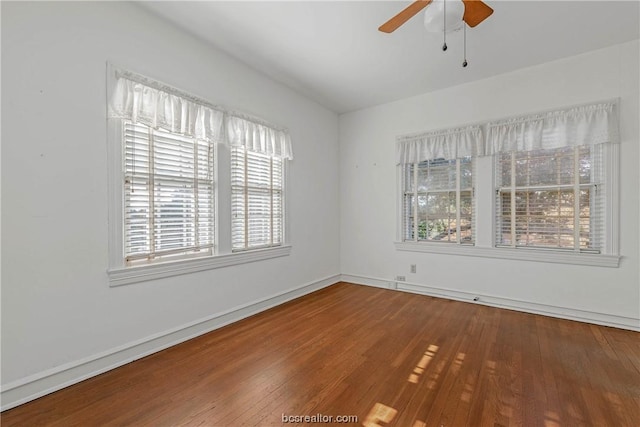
[(422, 364), (379, 413)]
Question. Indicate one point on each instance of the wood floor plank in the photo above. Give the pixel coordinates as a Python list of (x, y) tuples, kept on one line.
[(390, 358)]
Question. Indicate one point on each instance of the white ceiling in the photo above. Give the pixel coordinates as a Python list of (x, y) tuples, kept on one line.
[(332, 52)]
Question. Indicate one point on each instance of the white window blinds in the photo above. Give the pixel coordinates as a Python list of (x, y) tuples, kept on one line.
[(438, 201), (551, 198), (256, 200), (169, 194)]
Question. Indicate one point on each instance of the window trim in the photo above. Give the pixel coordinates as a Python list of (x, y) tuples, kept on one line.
[(160, 270), (557, 256)]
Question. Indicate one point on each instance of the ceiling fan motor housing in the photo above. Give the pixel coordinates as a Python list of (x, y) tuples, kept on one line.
[(438, 12)]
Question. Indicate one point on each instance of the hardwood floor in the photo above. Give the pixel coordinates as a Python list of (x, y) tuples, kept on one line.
[(387, 357)]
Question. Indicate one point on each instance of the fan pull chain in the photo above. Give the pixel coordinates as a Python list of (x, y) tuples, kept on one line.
[(444, 30), (464, 62)]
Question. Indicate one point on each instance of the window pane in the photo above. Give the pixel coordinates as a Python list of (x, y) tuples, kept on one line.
[(465, 231), (436, 198), (238, 213), (172, 156), (441, 215), (174, 215), (137, 216), (136, 138), (466, 203), (408, 177), (504, 219), (545, 218), (438, 229), (423, 176), (256, 200), (585, 219), (440, 204), (169, 194), (435, 175), (422, 215), (408, 208), (205, 212), (504, 170), (585, 165), (466, 174), (277, 219)]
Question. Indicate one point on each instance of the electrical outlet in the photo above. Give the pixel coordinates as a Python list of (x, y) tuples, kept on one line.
[(413, 268), (401, 278)]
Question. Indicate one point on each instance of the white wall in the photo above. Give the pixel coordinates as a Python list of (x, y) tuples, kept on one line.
[(58, 311), (369, 192)]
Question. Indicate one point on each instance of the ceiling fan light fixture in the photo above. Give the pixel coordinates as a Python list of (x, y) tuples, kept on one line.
[(434, 16)]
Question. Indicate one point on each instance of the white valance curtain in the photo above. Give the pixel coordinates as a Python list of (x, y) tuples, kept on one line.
[(258, 137), (158, 106), (584, 125), (589, 124), (442, 144)]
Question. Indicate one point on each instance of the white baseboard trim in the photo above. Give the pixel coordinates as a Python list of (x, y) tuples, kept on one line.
[(603, 319), (368, 281), (42, 383)]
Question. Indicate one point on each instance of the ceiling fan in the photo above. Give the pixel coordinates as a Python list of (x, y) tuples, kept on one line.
[(475, 11)]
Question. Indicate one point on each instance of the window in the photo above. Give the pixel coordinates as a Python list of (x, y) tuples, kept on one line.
[(539, 187), (168, 194), (171, 190), (438, 201), (256, 200), (550, 198)]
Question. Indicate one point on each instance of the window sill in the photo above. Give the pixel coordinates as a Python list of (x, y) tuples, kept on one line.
[(520, 254), (128, 275)]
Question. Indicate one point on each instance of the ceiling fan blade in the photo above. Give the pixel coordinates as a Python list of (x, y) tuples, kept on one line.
[(475, 12), (392, 24)]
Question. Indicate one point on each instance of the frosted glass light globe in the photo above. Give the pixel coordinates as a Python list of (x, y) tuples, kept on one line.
[(433, 16)]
